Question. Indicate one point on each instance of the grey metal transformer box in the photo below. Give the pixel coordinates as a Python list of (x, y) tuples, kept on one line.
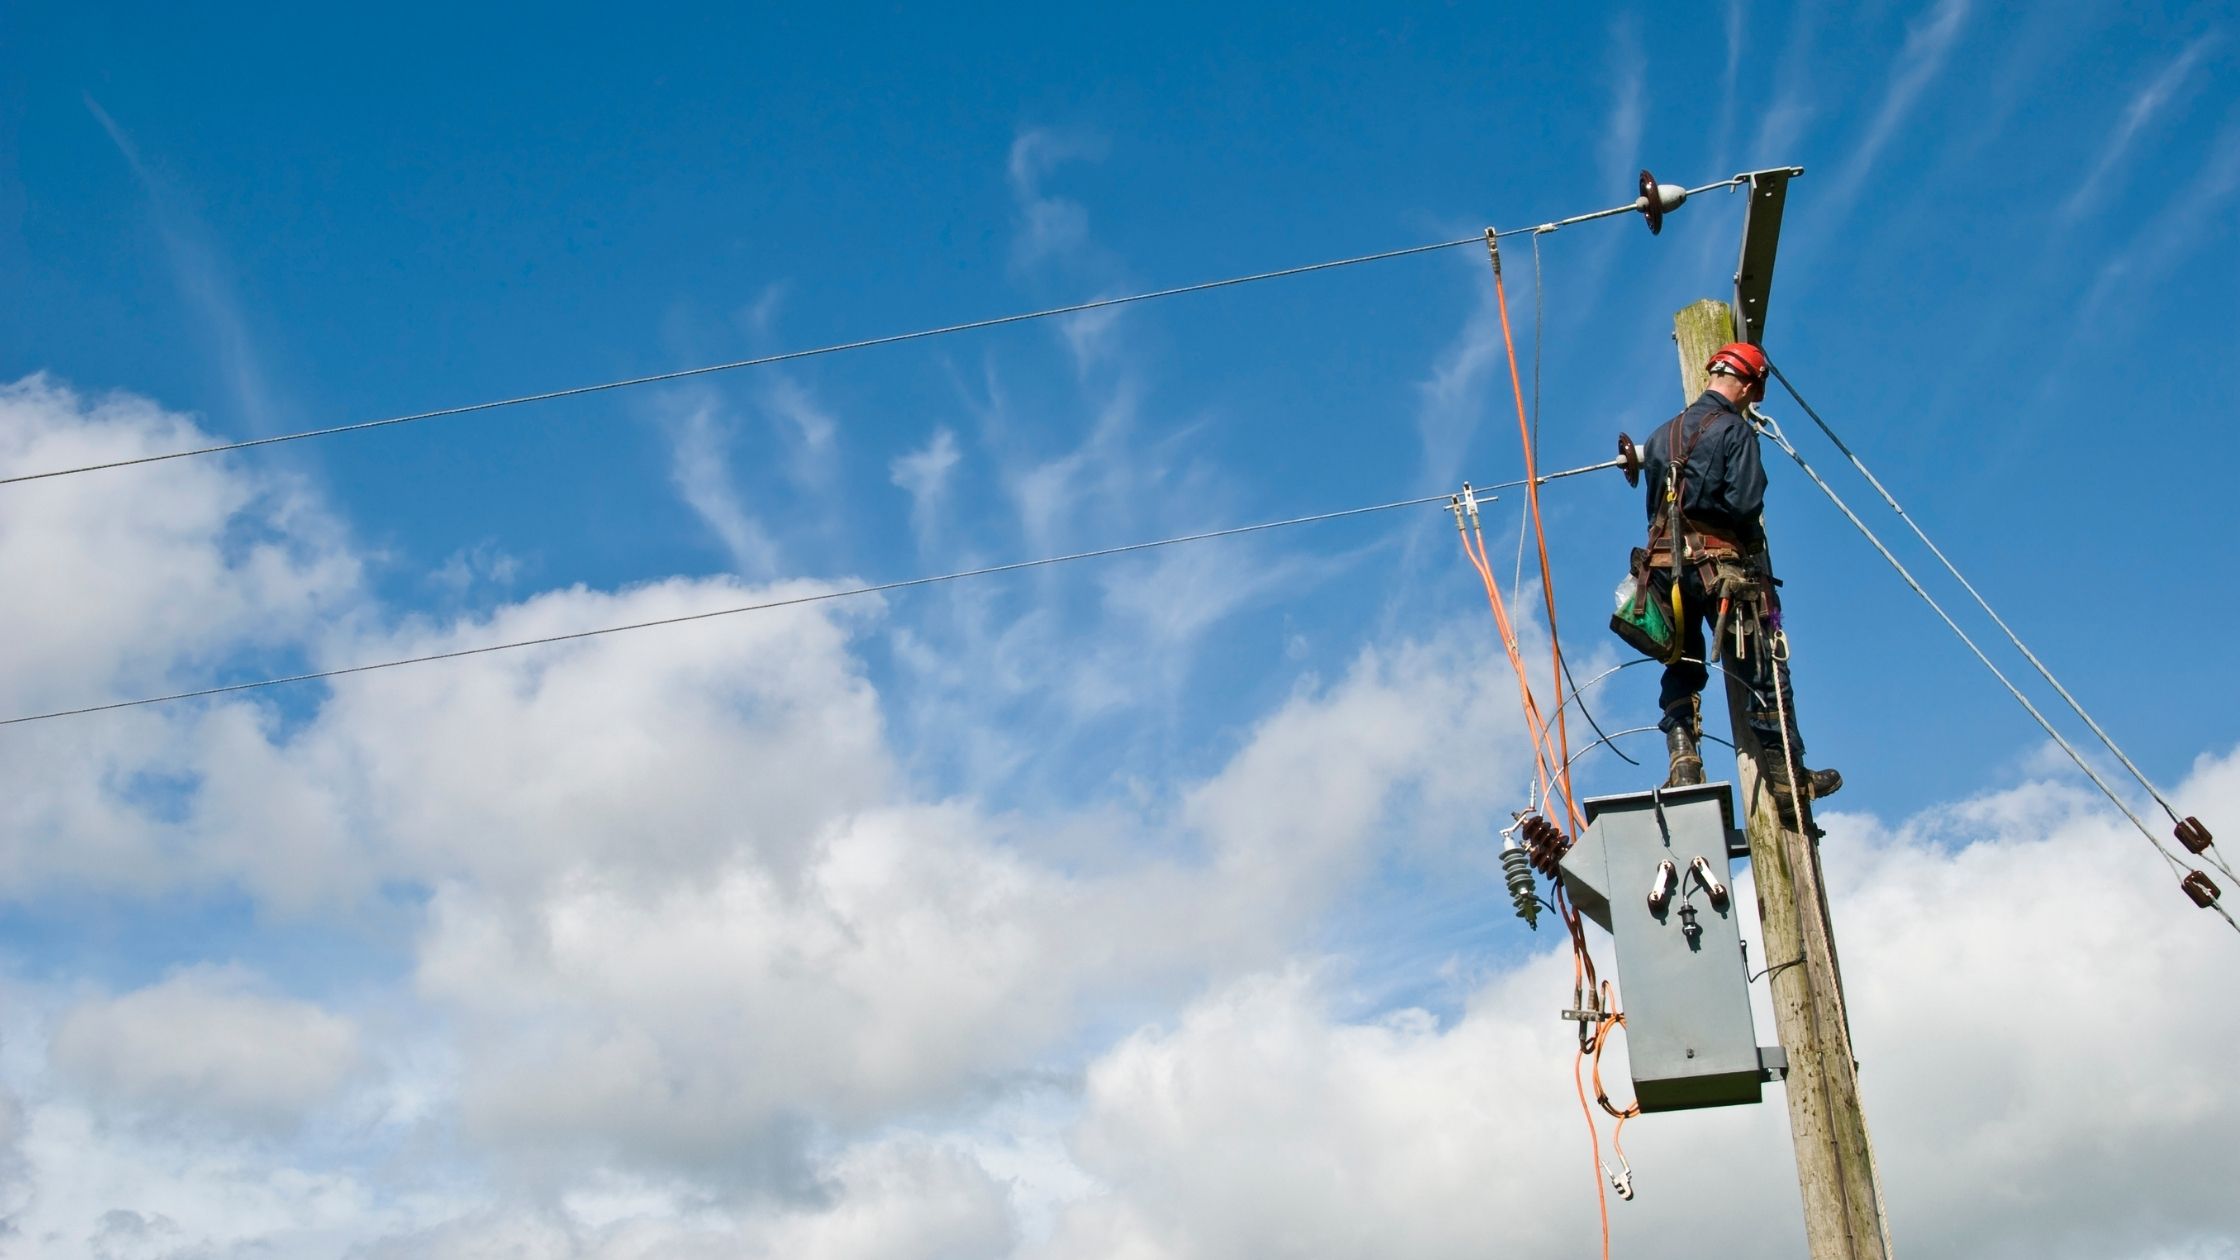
[(1653, 869)]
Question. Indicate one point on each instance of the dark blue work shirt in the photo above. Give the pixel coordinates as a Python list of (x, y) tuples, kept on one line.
[(1724, 484)]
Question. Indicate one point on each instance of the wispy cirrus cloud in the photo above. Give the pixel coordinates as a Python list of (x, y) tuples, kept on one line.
[(924, 474), (201, 277), (1929, 44), (1735, 29), (1049, 225), (699, 467), (1617, 158), (2145, 106), (1620, 151), (2191, 215), (809, 431)]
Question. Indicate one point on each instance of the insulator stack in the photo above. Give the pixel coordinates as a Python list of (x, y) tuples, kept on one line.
[(1518, 866), (2194, 836), (2201, 888), (1544, 843)]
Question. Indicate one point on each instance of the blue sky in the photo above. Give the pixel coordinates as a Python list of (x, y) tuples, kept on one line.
[(323, 237), (2005, 277)]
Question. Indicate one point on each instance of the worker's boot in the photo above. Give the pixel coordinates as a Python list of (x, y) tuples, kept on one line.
[(1687, 763), (1817, 783)]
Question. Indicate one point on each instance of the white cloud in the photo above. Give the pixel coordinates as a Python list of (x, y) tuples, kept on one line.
[(2014, 1016), (129, 574), (134, 582), (1261, 1126), (862, 961), (205, 1044), (624, 834), (703, 971), (484, 563), (903, 1199), (109, 1193)]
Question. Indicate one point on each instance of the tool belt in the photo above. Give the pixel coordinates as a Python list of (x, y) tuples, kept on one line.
[(1701, 545), (1734, 580)]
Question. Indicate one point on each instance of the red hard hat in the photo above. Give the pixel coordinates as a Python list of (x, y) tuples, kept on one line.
[(1741, 358)]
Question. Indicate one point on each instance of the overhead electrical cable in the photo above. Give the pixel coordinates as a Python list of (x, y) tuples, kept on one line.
[(2075, 706), (767, 605), (866, 343), (1772, 430)]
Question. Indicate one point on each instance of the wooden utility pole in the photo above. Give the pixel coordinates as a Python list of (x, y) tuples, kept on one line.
[(1843, 1216)]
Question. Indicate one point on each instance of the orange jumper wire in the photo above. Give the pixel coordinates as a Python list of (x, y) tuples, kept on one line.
[(1552, 759)]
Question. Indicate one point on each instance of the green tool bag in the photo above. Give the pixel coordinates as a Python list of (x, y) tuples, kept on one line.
[(1641, 619)]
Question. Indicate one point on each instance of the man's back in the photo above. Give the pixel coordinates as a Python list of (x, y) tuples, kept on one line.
[(1724, 484)]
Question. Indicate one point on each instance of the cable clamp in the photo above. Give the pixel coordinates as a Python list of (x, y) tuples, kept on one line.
[(1589, 1012)]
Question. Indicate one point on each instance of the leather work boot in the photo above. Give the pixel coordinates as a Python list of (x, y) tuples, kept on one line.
[(1687, 763), (1817, 783)]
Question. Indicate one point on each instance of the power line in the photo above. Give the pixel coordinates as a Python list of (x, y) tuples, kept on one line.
[(736, 364), (866, 343), (1773, 430), (768, 605), (2076, 707)]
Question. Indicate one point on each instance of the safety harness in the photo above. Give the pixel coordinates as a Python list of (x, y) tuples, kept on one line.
[(1678, 541)]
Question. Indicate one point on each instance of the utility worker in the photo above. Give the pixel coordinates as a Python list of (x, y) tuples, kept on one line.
[(1707, 491)]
